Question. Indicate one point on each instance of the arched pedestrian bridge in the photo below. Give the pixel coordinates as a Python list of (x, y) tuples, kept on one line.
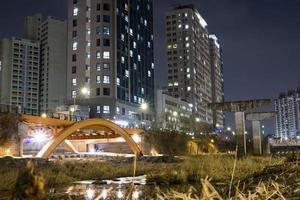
[(67, 128), (89, 129)]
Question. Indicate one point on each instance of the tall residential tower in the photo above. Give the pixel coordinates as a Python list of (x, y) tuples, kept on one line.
[(287, 107), (110, 59), (190, 58), (52, 35), (19, 74)]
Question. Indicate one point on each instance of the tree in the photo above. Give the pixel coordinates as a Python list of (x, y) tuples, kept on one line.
[(8, 127), (168, 142)]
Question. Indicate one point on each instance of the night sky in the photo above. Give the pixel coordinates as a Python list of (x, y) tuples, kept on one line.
[(260, 40)]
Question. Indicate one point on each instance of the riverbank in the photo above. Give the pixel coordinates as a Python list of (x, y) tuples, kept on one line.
[(182, 170)]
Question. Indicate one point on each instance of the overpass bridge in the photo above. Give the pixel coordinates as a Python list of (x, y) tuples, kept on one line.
[(69, 128), (282, 146)]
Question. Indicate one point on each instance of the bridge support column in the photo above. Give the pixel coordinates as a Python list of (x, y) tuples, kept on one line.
[(257, 150), (240, 133)]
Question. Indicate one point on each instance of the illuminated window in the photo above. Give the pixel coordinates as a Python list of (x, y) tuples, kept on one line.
[(106, 79), (187, 44), (74, 82), (179, 26), (149, 73), (75, 45), (106, 109), (73, 94), (106, 55), (75, 11), (175, 83), (131, 53), (98, 109), (118, 81), (186, 26), (126, 73), (98, 67), (98, 54), (98, 79), (189, 88), (134, 45)]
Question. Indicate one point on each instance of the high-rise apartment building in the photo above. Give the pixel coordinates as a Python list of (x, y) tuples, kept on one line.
[(217, 79), (110, 59), (190, 57), (52, 35), (287, 107), (19, 74)]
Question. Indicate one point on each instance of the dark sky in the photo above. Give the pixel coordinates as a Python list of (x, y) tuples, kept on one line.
[(260, 39)]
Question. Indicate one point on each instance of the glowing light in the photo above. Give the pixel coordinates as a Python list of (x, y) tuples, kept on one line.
[(233, 133), (228, 128), (40, 137), (72, 109), (7, 152), (90, 193), (85, 91), (136, 138), (144, 106), (120, 194), (212, 141), (121, 123), (175, 114), (197, 119), (104, 194), (44, 115), (217, 125), (135, 195), (298, 137)]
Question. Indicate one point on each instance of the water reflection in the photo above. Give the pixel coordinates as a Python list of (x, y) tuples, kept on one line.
[(120, 188)]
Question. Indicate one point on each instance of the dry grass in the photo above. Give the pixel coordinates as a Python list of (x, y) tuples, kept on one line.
[(269, 190)]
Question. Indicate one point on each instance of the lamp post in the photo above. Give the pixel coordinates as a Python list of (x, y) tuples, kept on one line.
[(144, 107), (84, 91)]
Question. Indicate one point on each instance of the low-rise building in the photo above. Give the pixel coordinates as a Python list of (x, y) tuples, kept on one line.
[(172, 113)]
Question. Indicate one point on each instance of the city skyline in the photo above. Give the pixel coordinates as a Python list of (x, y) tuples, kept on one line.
[(234, 13)]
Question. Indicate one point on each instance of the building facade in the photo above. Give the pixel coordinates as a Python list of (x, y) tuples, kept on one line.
[(171, 113), (287, 107), (52, 35), (217, 79), (19, 74), (110, 59), (189, 54)]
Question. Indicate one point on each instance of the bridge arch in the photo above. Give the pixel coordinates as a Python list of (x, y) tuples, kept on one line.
[(103, 124)]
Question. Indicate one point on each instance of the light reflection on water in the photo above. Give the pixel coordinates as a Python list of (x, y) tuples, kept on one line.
[(120, 188)]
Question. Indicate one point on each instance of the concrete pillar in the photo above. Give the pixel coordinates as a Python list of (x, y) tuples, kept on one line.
[(257, 150), (240, 133)]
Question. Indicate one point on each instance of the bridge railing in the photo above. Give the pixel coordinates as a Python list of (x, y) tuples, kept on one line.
[(284, 142)]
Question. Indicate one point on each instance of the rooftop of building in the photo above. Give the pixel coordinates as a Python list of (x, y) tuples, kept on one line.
[(290, 92)]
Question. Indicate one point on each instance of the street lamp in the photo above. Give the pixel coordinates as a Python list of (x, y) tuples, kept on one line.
[(85, 91), (144, 106), (175, 113), (228, 128)]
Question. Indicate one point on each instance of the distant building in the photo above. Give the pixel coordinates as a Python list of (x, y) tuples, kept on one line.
[(52, 34), (194, 63), (19, 73), (171, 113), (287, 107), (217, 79), (110, 59)]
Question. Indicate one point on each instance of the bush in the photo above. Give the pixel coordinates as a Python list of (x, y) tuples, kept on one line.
[(168, 142)]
